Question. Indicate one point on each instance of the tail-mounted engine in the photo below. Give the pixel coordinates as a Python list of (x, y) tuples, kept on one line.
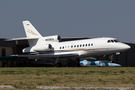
[(38, 48), (41, 48)]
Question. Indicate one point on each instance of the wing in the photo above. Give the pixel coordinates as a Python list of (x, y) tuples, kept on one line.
[(44, 55)]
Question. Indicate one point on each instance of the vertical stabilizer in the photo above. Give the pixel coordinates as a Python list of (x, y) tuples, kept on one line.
[(31, 32)]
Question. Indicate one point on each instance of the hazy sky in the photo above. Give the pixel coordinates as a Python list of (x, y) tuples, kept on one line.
[(70, 18)]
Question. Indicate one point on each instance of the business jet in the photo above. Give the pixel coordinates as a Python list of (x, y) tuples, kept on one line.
[(52, 47)]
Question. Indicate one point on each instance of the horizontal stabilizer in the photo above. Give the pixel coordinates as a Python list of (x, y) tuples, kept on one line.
[(25, 38)]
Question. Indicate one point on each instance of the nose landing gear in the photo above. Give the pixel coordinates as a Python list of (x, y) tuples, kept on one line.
[(111, 58)]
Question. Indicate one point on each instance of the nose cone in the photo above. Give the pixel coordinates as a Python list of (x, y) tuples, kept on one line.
[(124, 47), (128, 47)]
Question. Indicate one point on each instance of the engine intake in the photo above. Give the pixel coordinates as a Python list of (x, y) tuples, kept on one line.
[(55, 38)]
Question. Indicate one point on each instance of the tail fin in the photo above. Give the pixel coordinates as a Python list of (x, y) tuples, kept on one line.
[(30, 30)]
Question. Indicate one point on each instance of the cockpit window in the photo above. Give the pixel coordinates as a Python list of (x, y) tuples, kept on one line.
[(115, 41), (112, 41), (108, 41)]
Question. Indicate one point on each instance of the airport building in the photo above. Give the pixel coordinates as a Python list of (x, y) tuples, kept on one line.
[(9, 48)]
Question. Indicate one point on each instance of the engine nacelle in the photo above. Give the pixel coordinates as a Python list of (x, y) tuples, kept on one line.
[(38, 48), (55, 38), (41, 48)]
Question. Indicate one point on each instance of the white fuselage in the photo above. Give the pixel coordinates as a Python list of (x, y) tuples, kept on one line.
[(88, 47)]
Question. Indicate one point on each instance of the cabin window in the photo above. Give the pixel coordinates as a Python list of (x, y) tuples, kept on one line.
[(60, 47), (74, 45), (77, 45), (71, 46), (83, 45), (92, 44), (63, 47), (80, 45), (88, 44)]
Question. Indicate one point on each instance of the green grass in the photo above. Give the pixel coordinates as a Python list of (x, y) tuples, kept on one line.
[(78, 76)]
